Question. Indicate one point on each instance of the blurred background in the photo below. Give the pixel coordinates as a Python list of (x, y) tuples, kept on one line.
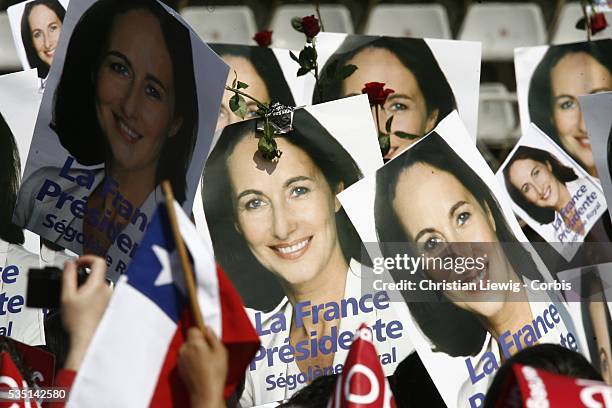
[(501, 26)]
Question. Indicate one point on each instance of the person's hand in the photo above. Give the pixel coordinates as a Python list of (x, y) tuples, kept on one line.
[(82, 307), (203, 368)]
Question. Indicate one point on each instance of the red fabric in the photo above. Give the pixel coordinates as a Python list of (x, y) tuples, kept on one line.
[(532, 387), (41, 363), (238, 336), (362, 383), (63, 379), (10, 377)]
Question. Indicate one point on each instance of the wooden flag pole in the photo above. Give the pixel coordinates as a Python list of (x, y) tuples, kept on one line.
[(182, 252)]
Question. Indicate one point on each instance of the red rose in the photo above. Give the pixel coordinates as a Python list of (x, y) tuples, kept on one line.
[(310, 26), (598, 23), (377, 94), (263, 38)]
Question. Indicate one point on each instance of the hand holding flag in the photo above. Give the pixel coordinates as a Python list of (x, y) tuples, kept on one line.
[(132, 359)]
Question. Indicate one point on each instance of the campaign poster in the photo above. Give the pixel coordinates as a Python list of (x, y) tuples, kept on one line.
[(288, 246), (19, 99), (269, 74), (458, 260), (553, 194), (596, 110), (430, 77), (589, 302), (549, 82), (36, 26), (131, 100)]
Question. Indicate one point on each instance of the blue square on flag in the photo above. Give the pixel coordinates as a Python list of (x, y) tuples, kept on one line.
[(155, 269)]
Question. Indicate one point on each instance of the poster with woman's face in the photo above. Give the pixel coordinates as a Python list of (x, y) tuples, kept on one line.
[(36, 26), (596, 110), (549, 81), (131, 100), (19, 100), (431, 78), (19, 103), (284, 239), (453, 249), (269, 74), (551, 192)]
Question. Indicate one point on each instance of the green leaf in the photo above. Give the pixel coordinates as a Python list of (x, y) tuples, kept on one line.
[(268, 130), (267, 145), (303, 71), (581, 24), (405, 135), (242, 85), (310, 53), (384, 141), (235, 79), (346, 71), (238, 105), (293, 57), (388, 124), (296, 23)]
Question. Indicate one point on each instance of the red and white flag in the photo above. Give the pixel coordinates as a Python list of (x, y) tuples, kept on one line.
[(362, 383), (532, 387), (12, 383), (131, 361)]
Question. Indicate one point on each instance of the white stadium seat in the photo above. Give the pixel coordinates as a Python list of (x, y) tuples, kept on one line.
[(336, 19), (496, 117), (502, 27), (226, 24), (409, 20), (566, 31), (8, 55)]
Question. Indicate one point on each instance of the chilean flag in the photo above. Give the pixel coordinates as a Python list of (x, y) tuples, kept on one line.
[(362, 383), (131, 361)]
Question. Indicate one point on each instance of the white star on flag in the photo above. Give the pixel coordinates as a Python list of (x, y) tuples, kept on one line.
[(169, 263)]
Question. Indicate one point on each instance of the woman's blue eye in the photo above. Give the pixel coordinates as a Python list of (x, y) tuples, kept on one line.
[(397, 106), (251, 114), (153, 92), (254, 204), (569, 104), (299, 191), (463, 217), (432, 243), (119, 68)]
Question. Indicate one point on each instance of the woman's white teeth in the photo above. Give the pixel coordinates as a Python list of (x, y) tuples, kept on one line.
[(293, 248), (131, 134)]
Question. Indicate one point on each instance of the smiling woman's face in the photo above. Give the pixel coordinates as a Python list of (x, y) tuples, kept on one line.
[(135, 92), (407, 105), (436, 209), (537, 183), (286, 215), (575, 75), (257, 89), (45, 27)]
